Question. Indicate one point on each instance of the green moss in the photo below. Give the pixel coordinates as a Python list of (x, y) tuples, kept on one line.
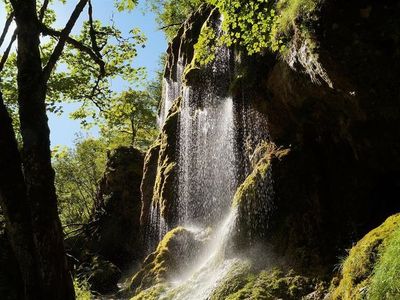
[(358, 268), (385, 282), (164, 185), (237, 278), (275, 284), (152, 293), (248, 189)]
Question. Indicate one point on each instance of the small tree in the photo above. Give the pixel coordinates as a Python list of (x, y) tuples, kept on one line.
[(78, 172), (132, 114)]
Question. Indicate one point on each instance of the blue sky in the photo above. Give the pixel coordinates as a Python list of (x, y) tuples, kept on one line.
[(64, 130)]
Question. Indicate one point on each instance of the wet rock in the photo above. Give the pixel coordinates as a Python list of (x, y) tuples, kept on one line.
[(165, 191), (173, 255), (254, 197), (341, 177), (159, 185)]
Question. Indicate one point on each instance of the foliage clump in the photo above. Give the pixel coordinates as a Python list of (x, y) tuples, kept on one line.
[(370, 270), (206, 46), (82, 290), (256, 26), (171, 14), (247, 24), (78, 172)]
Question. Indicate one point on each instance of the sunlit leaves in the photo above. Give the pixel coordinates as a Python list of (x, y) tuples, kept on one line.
[(258, 25), (247, 24), (125, 4), (133, 115), (206, 45)]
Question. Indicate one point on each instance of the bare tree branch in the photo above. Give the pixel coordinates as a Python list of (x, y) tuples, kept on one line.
[(92, 31), (6, 27), (77, 45), (62, 40), (7, 52), (43, 10)]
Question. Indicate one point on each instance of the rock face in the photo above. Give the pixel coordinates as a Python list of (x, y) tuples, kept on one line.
[(118, 235), (112, 241), (342, 174), (160, 181)]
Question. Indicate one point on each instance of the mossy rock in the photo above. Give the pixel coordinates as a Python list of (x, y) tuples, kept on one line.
[(151, 293), (253, 199), (237, 278), (164, 193), (149, 179), (268, 284), (175, 253), (358, 269)]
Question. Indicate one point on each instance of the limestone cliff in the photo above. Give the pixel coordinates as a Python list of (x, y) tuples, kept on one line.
[(340, 173)]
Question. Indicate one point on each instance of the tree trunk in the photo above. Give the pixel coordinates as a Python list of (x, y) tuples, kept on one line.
[(16, 207), (36, 156), (133, 128)]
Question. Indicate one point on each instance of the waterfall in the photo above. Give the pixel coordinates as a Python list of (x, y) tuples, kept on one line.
[(211, 162), (207, 176)]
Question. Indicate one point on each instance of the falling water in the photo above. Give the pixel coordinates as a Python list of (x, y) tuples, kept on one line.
[(207, 167), (212, 267), (158, 227), (171, 91)]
